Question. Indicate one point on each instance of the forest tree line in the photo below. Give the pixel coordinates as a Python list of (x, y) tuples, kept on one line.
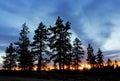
[(49, 44)]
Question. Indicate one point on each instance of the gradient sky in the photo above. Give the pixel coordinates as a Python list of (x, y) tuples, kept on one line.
[(93, 21)]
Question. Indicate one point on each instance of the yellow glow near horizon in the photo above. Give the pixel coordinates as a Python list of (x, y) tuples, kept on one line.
[(81, 67), (86, 66), (35, 68)]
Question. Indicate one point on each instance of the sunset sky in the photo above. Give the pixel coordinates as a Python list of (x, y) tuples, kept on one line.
[(93, 21)]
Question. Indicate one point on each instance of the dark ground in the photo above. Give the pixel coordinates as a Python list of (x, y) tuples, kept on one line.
[(105, 74)]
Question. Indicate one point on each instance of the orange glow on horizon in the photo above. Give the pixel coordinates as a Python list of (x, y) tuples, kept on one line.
[(35, 68), (84, 66), (81, 67)]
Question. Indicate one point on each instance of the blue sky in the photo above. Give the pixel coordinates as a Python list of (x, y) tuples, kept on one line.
[(93, 21)]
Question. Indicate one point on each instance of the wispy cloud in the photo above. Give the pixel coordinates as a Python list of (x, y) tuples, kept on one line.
[(93, 21)]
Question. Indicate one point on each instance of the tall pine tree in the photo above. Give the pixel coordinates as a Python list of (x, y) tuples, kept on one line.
[(10, 58), (25, 58), (66, 46), (60, 43), (39, 45), (77, 53)]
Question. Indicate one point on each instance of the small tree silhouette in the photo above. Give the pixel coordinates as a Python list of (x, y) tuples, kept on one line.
[(91, 58), (10, 58), (77, 52), (109, 62), (100, 58)]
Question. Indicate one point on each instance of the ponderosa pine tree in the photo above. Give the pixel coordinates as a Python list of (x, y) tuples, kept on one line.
[(91, 58), (9, 61), (25, 58), (39, 45), (99, 58), (60, 43), (77, 53)]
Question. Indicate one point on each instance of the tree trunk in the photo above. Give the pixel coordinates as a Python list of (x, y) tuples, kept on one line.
[(40, 58), (60, 63), (39, 64)]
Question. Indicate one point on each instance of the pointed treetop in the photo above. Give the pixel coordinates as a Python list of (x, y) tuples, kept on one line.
[(24, 25), (41, 23), (99, 50), (25, 28), (89, 45), (68, 25), (90, 48), (59, 21), (77, 41), (11, 44)]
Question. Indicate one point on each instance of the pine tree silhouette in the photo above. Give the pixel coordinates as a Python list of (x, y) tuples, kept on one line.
[(77, 53), (39, 45), (60, 43), (25, 58), (91, 58), (100, 58), (10, 58)]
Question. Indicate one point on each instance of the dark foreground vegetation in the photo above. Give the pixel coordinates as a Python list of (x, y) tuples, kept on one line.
[(96, 74)]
